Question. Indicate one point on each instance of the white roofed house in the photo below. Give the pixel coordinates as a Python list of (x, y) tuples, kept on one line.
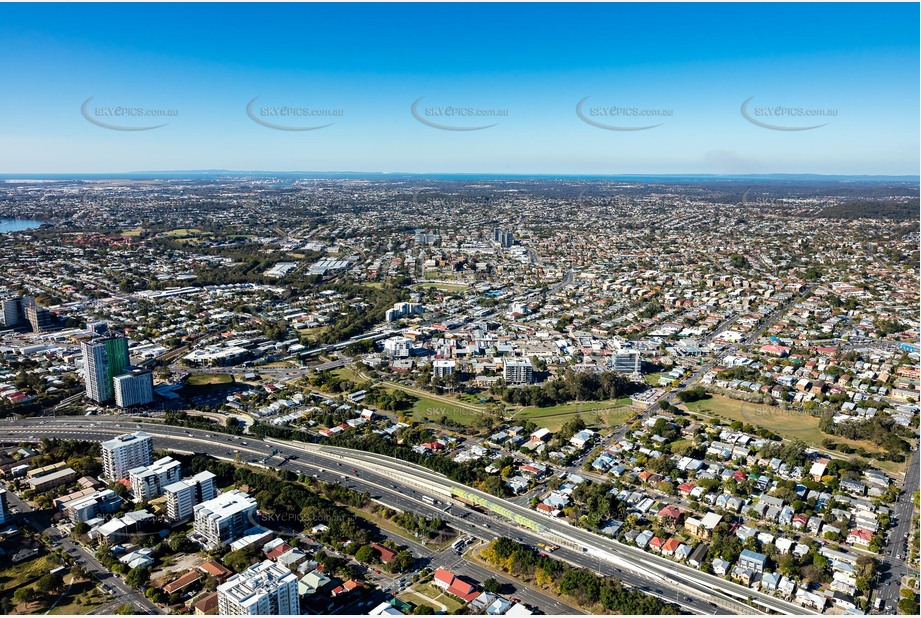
[(582, 438)]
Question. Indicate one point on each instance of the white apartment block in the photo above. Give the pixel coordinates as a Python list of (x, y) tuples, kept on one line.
[(87, 507), (442, 368), (148, 482), (182, 496), (517, 370), (224, 519), (133, 389), (398, 347), (264, 589), (121, 454)]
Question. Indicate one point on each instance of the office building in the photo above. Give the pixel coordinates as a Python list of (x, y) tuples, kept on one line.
[(103, 360), (517, 370), (503, 238), (134, 388), (182, 496), (121, 454), (99, 327), (264, 589), (38, 317), (223, 519), (147, 482), (12, 311), (626, 361)]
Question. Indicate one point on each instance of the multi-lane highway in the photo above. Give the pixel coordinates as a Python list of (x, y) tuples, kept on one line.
[(401, 485), (225, 447)]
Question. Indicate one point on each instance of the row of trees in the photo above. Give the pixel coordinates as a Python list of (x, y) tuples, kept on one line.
[(470, 473), (366, 307), (571, 386), (588, 589), (880, 430)]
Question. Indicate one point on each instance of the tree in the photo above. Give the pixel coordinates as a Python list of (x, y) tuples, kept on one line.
[(908, 604), (423, 610), (402, 562), (491, 584), (49, 583), (364, 554), (24, 595), (137, 577)]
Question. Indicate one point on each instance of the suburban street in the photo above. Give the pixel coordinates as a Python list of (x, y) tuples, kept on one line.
[(893, 566), (121, 592)]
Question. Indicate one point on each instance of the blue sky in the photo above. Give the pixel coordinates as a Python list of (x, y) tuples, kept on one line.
[(691, 65)]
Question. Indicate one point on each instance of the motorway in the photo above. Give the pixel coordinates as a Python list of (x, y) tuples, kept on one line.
[(589, 548), (386, 488), (223, 446), (395, 484)]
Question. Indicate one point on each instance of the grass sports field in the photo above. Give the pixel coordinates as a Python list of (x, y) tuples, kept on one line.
[(788, 424)]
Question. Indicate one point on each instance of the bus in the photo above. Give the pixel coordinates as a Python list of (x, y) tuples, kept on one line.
[(429, 500)]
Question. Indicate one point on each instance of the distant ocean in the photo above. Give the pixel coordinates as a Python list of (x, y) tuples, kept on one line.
[(17, 225)]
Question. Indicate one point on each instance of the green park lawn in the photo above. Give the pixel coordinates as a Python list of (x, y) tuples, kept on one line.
[(209, 379), (433, 409), (788, 424), (445, 287), (599, 415)]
